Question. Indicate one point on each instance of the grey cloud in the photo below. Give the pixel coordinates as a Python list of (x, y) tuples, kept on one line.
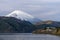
[(34, 7)]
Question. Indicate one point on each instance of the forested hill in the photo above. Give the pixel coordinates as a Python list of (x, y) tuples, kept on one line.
[(13, 25)]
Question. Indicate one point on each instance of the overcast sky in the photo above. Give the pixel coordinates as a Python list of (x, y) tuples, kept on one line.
[(43, 9)]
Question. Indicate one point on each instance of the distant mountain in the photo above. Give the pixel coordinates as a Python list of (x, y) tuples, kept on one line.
[(23, 16), (14, 25), (48, 23)]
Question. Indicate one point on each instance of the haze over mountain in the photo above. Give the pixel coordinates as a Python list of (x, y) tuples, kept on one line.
[(23, 16)]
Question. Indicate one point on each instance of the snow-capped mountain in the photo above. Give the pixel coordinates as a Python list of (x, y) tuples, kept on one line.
[(22, 15)]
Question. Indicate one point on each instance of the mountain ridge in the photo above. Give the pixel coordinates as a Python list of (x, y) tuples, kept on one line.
[(23, 16)]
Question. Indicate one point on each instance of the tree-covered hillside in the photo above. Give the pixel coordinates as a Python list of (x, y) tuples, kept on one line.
[(13, 25)]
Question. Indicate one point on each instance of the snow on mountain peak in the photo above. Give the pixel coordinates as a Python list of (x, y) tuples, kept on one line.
[(20, 15)]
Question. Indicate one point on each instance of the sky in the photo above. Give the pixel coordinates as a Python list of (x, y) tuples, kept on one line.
[(42, 9)]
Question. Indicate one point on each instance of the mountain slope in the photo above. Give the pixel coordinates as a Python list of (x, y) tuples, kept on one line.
[(23, 16), (13, 25), (20, 15)]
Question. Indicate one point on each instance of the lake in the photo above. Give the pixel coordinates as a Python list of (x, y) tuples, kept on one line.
[(28, 36)]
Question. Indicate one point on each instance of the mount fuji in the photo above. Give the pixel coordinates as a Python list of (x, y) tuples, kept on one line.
[(23, 16)]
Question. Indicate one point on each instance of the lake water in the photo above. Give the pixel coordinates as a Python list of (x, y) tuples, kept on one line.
[(28, 37)]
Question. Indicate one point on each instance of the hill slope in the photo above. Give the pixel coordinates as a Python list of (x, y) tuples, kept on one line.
[(13, 25), (47, 23)]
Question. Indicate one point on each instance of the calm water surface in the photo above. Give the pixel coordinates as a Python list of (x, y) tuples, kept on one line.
[(28, 36)]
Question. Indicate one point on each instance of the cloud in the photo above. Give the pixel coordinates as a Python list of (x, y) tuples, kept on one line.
[(39, 8), (49, 13)]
